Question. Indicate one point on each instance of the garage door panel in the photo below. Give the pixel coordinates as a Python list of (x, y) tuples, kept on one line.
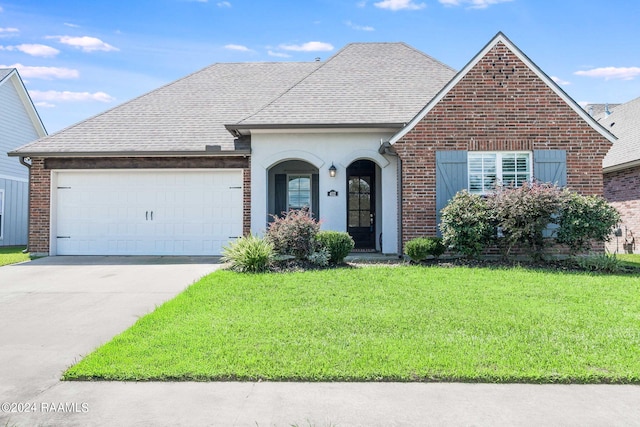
[(147, 212)]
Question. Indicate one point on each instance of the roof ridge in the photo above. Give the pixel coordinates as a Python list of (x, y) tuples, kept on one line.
[(322, 64)]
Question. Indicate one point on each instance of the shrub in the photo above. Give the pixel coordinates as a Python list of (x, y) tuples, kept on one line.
[(420, 248), (249, 254), (523, 213), (320, 257), (601, 263), (338, 243), (585, 218), (466, 224), (294, 234)]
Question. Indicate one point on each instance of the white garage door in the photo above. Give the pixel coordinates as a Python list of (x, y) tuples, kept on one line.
[(184, 212)]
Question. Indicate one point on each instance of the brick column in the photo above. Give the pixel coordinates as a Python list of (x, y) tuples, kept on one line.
[(40, 207)]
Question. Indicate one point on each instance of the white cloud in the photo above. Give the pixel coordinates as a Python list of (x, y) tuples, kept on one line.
[(308, 47), (8, 31), (86, 43), (43, 104), (45, 73), (223, 4), (473, 4), (33, 50), (239, 47), (362, 3), (71, 25), (399, 5), (67, 96), (359, 27), (608, 73), (560, 81), (278, 54)]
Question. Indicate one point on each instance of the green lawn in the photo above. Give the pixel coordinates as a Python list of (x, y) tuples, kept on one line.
[(405, 323), (630, 259), (12, 255)]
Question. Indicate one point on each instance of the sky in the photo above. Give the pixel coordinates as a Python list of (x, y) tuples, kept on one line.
[(79, 58)]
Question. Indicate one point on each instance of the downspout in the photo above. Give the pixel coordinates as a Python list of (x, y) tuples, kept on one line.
[(386, 148), (23, 162)]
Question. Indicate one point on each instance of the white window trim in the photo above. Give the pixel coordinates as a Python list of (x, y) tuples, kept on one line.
[(499, 155), (2, 203), (300, 175)]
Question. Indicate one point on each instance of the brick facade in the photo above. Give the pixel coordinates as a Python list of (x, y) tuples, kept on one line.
[(499, 104), (622, 190), (40, 185), (39, 207)]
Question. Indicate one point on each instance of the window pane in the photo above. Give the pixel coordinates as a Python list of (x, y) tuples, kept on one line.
[(475, 183), (299, 192), (522, 163), (489, 163), (365, 219), (365, 201), (489, 182), (508, 180), (353, 218), (508, 163)]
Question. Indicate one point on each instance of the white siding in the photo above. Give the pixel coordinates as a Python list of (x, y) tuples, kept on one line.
[(16, 129), (14, 220)]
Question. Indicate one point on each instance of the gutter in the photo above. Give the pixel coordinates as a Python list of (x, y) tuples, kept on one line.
[(24, 163), (387, 148), (622, 166), (210, 152), (236, 129)]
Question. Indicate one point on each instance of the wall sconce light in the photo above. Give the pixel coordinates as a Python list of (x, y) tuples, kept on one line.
[(332, 170)]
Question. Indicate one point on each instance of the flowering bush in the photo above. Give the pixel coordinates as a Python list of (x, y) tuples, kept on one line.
[(294, 234)]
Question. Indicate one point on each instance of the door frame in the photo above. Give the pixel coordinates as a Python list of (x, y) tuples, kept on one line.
[(364, 240)]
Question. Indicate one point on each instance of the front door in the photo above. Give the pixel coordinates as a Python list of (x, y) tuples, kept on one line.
[(361, 206)]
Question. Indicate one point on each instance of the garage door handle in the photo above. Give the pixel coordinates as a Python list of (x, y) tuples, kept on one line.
[(146, 216), (151, 215)]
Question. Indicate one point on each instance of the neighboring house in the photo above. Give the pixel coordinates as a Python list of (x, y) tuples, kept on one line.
[(621, 168), (375, 141), (19, 124)]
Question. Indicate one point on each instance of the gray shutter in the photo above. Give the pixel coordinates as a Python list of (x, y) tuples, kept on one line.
[(451, 177), (280, 200), (550, 166), (315, 196)]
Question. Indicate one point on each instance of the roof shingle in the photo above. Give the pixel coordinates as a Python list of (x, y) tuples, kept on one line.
[(364, 83), (624, 123)]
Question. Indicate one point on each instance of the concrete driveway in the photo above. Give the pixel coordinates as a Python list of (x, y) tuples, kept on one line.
[(55, 310)]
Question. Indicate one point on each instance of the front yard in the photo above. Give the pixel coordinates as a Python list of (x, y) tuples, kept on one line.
[(380, 323), (12, 255)]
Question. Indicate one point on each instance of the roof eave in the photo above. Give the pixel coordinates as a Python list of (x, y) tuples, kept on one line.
[(245, 129), (500, 37), (94, 154), (621, 166)]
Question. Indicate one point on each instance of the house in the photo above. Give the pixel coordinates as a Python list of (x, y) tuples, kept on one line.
[(621, 168), (19, 124), (374, 141)]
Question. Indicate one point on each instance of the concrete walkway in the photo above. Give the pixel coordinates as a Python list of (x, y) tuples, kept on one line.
[(55, 310)]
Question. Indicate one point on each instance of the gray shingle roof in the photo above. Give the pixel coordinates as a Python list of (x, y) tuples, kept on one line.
[(364, 83), (597, 111), (186, 115), (623, 122)]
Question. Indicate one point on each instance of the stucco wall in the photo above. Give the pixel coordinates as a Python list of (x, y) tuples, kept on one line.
[(322, 150)]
